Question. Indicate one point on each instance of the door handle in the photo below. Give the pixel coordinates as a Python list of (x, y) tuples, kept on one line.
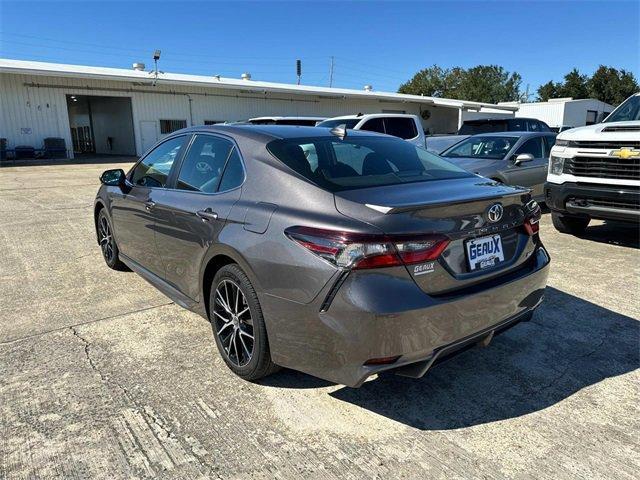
[(149, 205), (207, 215)]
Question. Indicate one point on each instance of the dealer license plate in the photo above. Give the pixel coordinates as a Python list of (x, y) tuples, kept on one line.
[(484, 252)]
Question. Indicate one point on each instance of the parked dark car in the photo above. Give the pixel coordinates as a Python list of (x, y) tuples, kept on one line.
[(378, 256), (474, 127), (514, 158)]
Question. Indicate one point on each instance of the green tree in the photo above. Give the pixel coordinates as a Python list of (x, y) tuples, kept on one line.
[(429, 82), (612, 85), (607, 84), (547, 91), (575, 85), (483, 83)]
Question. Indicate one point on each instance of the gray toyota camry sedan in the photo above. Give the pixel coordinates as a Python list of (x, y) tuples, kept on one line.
[(338, 253)]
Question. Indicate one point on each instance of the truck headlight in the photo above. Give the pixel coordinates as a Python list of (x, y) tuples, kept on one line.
[(562, 143), (556, 164)]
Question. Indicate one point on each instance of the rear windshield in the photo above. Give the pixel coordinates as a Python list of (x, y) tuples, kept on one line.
[(347, 122), (361, 162), (471, 128)]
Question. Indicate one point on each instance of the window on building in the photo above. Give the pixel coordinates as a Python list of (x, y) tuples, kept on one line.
[(169, 126), (213, 122)]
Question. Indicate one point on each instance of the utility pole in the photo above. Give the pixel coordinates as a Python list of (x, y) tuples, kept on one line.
[(299, 70), (331, 73)]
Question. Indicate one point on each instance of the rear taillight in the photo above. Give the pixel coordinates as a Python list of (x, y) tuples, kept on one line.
[(357, 250), (532, 218)]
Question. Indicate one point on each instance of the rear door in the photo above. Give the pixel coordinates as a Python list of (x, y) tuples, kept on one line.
[(191, 214), (530, 174), (132, 206)]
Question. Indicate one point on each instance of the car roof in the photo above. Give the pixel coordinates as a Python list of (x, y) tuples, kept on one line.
[(371, 115), (512, 134), (272, 132), (286, 118)]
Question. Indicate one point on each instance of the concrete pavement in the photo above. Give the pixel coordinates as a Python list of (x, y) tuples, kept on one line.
[(102, 376)]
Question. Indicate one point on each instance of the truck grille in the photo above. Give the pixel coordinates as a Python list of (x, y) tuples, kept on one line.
[(604, 144), (603, 167), (617, 204)]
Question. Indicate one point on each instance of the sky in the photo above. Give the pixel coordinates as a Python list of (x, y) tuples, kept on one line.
[(377, 43)]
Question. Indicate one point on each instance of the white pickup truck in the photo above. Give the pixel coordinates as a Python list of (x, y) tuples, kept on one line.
[(594, 171), (407, 127)]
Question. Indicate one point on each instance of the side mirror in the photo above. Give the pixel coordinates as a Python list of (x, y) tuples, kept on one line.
[(113, 178), (523, 157)]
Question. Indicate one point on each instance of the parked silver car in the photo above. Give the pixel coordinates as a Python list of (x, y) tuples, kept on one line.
[(513, 158)]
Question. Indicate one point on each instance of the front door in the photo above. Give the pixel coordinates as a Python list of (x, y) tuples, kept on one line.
[(530, 174), (148, 134), (132, 208), (190, 216)]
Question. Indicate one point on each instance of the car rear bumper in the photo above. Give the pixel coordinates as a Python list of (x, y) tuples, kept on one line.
[(383, 313), (606, 202)]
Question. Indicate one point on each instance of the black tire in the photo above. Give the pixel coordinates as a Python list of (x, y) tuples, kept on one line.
[(108, 245), (569, 224), (232, 332)]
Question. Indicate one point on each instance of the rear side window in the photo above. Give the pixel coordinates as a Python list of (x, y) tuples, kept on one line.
[(374, 125), (204, 164), (362, 161), (233, 173), (153, 170), (401, 127)]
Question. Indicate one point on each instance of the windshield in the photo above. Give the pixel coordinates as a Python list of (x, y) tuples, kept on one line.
[(473, 128), (482, 147), (347, 122), (629, 110), (361, 162)]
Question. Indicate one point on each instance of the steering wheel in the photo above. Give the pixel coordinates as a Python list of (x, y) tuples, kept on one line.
[(204, 167)]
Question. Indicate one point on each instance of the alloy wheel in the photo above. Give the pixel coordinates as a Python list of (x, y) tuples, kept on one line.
[(233, 323), (106, 239)]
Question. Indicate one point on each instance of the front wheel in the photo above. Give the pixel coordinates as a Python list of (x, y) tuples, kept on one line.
[(569, 224), (238, 324), (108, 245)]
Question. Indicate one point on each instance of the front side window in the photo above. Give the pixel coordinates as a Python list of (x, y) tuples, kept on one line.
[(204, 164), (532, 146), (629, 110), (491, 147), (362, 162), (153, 170), (401, 127)]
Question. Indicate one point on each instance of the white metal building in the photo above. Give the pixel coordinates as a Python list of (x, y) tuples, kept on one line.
[(563, 112), (102, 110)]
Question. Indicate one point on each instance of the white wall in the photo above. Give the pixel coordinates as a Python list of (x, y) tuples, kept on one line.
[(42, 110), (559, 113)]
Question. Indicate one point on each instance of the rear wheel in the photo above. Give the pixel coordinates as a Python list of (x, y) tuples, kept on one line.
[(569, 224), (238, 324), (108, 245)]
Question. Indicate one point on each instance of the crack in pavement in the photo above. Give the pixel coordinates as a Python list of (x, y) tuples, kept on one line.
[(88, 322), (144, 410)]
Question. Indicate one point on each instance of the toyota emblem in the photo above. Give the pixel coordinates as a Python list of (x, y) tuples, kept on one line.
[(494, 214)]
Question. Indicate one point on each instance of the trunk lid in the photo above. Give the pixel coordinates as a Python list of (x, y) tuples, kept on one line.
[(455, 208)]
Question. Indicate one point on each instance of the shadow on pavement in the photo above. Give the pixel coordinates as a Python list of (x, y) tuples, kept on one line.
[(569, 345), (80, 160), (614, 233)]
